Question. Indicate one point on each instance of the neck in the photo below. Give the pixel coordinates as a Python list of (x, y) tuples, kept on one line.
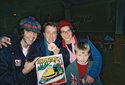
[(70, 41), (24, 43)]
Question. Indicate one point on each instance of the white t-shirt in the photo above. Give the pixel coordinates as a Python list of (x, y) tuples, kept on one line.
[(25, 51)]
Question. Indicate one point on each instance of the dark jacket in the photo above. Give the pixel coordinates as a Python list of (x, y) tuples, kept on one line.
[(42, 46), (12, 62)]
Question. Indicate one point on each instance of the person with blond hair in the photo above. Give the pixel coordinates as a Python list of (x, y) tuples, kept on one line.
[(77, 71)]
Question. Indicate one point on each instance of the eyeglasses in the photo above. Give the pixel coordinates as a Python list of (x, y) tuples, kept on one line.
[(63, 32)]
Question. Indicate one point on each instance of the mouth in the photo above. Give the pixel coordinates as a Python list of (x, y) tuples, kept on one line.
[(31, 40)]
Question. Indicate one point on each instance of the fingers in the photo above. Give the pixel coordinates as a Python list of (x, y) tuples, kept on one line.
[(35, 59), (7, 40), (52, 46), (56, 51), (4, 41), (29, 66), (4, 44), (89, 79)]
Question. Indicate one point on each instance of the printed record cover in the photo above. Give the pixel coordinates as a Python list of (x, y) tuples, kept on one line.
[(50, 69)]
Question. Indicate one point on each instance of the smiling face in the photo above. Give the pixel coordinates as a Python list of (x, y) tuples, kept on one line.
[(50, 33), (66, 33), (82, 56), (28, 38)]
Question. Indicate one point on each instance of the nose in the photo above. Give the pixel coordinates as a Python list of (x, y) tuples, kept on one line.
[(52, 34), (65, 32), (33, 35)]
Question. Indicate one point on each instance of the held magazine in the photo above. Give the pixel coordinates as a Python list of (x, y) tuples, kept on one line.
[(50, 69)]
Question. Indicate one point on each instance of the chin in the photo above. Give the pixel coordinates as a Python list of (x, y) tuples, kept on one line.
[(30, 43), (67, 40)]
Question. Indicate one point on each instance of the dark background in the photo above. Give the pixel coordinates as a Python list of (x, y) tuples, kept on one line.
[(87, 15)]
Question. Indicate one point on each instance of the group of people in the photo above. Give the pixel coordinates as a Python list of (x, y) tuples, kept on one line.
[(18, 58)]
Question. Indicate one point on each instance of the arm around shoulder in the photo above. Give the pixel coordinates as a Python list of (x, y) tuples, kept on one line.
[(97, 61)]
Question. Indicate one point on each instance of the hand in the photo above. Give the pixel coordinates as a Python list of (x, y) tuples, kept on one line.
[(56, 51), (5, 41), (29, 66), (54, 48), (89, 79), (51, 47)]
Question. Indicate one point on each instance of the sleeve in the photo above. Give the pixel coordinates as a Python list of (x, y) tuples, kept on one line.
[(68, 75), (9, 76), (97, 61), (10, 35)]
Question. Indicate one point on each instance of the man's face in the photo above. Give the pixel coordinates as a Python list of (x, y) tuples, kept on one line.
[(82, 55), (66, 33), (50, 34), (29, 37)]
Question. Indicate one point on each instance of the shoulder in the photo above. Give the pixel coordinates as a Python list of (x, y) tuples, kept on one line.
[(72, 65), (90, 62), (82, 37)]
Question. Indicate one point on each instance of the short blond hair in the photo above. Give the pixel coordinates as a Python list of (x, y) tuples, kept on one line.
[(82, 46)]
